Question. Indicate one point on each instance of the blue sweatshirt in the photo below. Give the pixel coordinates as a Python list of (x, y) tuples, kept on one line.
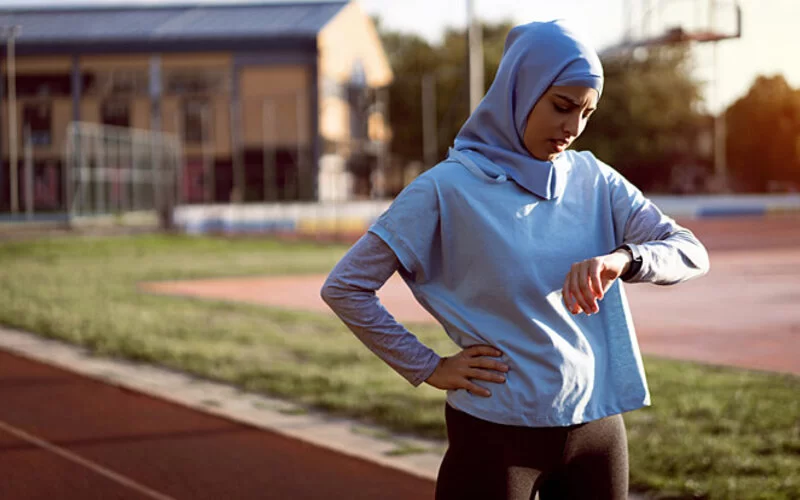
[(493, 275)]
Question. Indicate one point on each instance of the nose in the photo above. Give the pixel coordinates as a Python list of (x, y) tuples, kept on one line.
[(572, 125)]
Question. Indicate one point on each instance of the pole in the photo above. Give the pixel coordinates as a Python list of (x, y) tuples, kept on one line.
[(205, 146), (300, 110), (270, 141), (719, 117), (429, 127), (12, 32), (383, 141), (627, 14), (28, 173), (475, 41)]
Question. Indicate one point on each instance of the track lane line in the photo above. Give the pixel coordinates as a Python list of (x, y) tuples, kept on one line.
[(94, 467)]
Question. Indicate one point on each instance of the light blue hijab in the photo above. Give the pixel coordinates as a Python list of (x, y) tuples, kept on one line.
[(536, 56)]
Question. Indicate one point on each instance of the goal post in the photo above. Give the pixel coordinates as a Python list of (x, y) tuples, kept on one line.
[(115, 170)]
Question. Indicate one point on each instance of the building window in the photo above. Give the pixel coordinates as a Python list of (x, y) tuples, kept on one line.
[(203, 82), (37, 118), (40, 85), (116, 112), (118, 82), (197, 121)]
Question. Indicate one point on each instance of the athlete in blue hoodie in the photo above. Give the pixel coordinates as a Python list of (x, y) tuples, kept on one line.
[(516, 245)]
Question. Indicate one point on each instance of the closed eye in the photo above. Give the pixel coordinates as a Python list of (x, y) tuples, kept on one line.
[(561, 109)]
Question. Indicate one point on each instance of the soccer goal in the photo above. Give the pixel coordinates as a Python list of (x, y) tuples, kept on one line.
[(117, 171)]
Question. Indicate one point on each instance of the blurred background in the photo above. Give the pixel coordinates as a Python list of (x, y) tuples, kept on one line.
[(309, 116), (299, 120)]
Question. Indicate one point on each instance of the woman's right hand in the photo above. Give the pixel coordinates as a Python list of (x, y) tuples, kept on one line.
[(474, 362)]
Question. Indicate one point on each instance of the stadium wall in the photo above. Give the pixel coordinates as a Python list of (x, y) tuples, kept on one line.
[(355, 217)]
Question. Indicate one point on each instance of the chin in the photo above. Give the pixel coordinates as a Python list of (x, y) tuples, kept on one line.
[(542, 156)]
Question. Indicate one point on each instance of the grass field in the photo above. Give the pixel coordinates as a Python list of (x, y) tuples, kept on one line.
[(711, 433)]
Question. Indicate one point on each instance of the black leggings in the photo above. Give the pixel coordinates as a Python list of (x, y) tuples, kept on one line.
[(490, 461)]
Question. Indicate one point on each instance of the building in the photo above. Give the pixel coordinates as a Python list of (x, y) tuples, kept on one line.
[(266, 99)]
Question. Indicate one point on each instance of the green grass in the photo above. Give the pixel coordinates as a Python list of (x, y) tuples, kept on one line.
[(712, 433)]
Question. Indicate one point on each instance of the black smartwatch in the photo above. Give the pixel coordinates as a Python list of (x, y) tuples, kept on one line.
[(636, 261)]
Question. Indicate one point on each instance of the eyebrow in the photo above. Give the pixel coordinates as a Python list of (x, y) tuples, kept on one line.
[(573, 101)]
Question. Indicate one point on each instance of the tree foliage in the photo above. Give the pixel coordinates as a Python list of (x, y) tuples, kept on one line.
[(763, 137), (411, 58), (647, 121)]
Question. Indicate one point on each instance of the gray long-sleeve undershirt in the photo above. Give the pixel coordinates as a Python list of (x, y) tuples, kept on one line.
[(350, 292)]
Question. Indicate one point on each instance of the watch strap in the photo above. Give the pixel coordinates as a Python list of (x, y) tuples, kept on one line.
[(636, 261)]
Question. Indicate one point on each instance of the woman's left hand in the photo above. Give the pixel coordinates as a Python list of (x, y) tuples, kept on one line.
[(589, 280)]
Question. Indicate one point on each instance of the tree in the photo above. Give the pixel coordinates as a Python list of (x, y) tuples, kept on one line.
[(411, 58), (647, 121), (763, 136)]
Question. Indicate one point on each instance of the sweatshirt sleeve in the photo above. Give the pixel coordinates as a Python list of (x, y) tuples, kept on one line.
[(350, 292), (669, 253)]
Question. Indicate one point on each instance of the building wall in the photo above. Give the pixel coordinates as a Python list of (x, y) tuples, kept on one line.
[(217, 128), (284, 141), (283, 87), (275, 103), (276, 96), (348, 40), (351, 36), (40, 64), (35, 66), (92, 98)]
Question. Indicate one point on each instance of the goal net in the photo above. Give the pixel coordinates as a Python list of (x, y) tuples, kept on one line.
[(117, 170)]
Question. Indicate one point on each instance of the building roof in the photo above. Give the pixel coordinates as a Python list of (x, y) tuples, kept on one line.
[(156, 25)]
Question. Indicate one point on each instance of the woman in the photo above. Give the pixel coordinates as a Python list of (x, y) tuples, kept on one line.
[(512, 243)]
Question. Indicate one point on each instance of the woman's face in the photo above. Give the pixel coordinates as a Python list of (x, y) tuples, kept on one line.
[(557, 119)]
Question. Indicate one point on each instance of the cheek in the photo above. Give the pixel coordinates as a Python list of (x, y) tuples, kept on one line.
[(536, 126), (582, 126)]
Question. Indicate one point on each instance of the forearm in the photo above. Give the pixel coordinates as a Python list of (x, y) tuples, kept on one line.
[(350, 292), (676, 258)]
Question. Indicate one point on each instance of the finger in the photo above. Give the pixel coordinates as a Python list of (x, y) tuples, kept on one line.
[(596, 282), (569, 296), (584, 281), (486, 375), (572, 303), (575, 291), (476, 389), (482, 350), (565, 295), (489, 364)]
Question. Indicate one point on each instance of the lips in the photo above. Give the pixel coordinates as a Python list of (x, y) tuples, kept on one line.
[(559, 144)]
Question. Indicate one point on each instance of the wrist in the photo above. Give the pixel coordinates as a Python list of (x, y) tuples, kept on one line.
[(634, 261), (625, 257), (436, 368)]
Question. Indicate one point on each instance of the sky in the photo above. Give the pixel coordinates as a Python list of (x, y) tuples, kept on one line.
[(769, 42)]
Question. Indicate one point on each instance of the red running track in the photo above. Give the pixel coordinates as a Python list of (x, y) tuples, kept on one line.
[(64, 436)]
